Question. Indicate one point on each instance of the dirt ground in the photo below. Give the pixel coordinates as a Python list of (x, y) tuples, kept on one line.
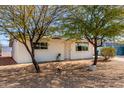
[(73, 74)]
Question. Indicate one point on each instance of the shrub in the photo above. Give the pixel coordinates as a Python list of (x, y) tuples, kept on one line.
[(107, 53)]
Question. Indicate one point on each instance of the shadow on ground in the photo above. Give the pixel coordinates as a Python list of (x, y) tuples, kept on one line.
[(70, 75)]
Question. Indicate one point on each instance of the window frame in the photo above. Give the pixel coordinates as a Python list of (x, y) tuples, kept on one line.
[(40, 45), (82, 47)]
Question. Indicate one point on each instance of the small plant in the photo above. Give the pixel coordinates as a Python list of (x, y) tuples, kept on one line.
[(107, 53)]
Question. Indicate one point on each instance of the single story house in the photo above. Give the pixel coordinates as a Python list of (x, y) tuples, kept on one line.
[(51, 49)]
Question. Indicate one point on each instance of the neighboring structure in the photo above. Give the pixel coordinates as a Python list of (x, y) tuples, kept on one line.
[(52, 50), (0, 49), (118, 47), (6, 51)]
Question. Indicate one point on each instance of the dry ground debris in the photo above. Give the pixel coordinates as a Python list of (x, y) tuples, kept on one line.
[(69, 74)]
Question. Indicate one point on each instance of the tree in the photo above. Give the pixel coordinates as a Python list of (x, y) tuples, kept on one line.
[(94, 23), (28, 24)]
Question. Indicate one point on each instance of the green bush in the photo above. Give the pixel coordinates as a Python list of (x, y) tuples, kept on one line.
[(107, 53)]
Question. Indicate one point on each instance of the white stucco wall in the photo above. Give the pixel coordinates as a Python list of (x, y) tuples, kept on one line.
[(14, 50), (55, 46), (21, 55), (81, 54)]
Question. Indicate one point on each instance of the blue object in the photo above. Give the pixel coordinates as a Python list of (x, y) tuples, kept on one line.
[(120, 50), (119, 47)]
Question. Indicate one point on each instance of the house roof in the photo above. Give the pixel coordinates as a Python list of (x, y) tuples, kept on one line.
[(47, 37)]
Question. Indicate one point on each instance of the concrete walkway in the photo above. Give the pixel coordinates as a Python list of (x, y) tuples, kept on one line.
[(119, 58)]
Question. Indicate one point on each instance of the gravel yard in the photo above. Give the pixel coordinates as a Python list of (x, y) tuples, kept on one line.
[(73, 74)]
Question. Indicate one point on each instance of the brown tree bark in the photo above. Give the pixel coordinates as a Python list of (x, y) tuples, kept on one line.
[(95, 52), (95, 55), (31, 52), (35, 64)]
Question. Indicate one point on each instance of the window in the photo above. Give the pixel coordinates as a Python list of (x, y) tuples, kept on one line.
[(42, 45), (82, 46)]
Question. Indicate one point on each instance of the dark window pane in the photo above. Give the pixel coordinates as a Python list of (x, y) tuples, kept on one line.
[(44, 46), (36, 45), (40, 45), (82, 46)]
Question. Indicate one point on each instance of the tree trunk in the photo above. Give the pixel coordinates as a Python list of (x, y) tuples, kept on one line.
[(93, 66), (33, 58), (35, 64), (95, 54)]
